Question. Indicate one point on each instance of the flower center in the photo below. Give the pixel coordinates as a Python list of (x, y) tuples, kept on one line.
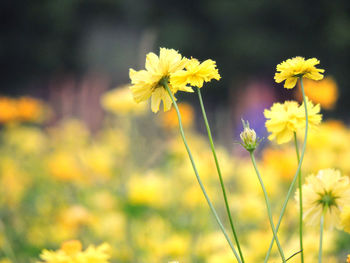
[(327, 199), (162, 82)]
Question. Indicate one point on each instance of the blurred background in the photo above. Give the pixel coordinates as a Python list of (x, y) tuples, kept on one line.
[(73, 50), (71, 155)]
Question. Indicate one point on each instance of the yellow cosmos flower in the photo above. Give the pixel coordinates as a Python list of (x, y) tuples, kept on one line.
[(146, 83), (196, 73), (285, 119), (348, 260), (71, 252), (345, 218), (294, 68), (324, 92), (328, 192)]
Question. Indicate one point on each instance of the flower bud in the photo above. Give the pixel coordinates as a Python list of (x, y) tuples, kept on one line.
[(248, 136)]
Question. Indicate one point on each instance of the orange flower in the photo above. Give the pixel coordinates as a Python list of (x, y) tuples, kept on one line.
[(169, 119), (324, 92)]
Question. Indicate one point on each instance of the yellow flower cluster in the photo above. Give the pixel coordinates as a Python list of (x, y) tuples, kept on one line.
[(24, 109), (175, 70), (327, 192), (294, 68), (71, 252), (285, 119)]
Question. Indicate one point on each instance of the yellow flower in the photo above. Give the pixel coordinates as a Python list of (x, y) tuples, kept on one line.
[(285, 119), (348, 260), (345, 218), (282, 121), (120, 101), (280, 161), (294, 68), (196, 73), (71, 252), (328, 192), (149, 189), (324, 92), (147, 83)]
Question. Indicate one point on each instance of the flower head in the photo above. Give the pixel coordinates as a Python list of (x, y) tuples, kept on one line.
[(148, 83), (71, 252), (283, 119), (196, 73), (348, 260), (248, 137), (294, 68), (327, 192)]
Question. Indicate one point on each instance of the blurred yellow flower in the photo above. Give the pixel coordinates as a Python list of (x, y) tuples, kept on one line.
[(8, 111), (294, 68), (23, 109), (324, 92), (149, 189), (98, 160), (119, 101), (345, 218), (75, 216), (280, 161), (29, 109), (64, 166), (196, 73), (71, 252), (285, 119), (169, 119), (328, 192), (348, 260), (176, 245), (146, 83)]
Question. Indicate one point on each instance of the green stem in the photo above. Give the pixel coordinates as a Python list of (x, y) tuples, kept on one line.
[(321, 238), (165, 84), (290, 190), (268, 207), (300, 201), (7, 248), (219, 173)]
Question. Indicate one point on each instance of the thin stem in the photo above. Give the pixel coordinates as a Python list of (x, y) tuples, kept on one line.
[(7, 248), (300, 201), (268, 207), (321, 238), (296, 173), (219, 173), (165, 84)]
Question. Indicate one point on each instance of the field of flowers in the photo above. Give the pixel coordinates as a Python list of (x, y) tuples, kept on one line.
[(128, 192)]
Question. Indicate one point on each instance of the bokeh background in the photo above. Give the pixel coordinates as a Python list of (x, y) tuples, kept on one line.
[(66, 152)]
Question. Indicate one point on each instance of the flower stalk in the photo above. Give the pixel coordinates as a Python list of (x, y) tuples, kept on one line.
[(165, 85), (296, 173), (219, 173), (268, 207), (300, 201), (321, 236)]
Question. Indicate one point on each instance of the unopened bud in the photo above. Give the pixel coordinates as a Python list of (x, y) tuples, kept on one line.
[(248, 137)]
